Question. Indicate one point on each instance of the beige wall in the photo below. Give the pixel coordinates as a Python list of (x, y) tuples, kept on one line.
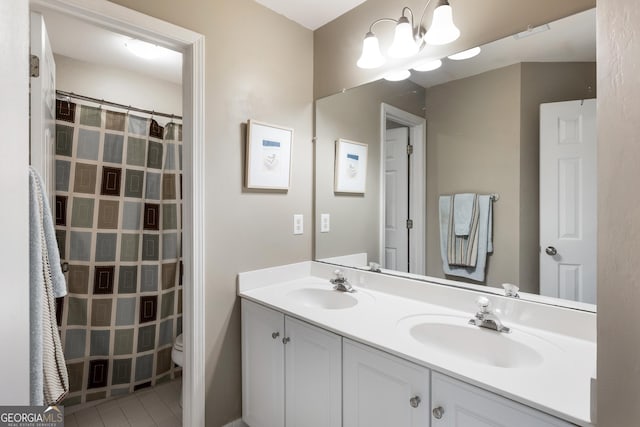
[(482, 137), (618, 213), (338, 44), (118, 85), (355, 115), (473, 134), (258, 66)]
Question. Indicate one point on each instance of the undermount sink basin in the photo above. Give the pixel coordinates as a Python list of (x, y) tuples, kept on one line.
[(453, 336), (323, 298)]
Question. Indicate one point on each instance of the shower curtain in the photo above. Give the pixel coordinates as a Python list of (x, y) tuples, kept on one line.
[(118, 209)]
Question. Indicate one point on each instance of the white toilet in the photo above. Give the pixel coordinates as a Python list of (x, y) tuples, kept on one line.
[(177, 356)]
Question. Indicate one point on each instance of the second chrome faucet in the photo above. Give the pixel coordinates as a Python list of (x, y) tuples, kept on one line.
[(341, 283), (484, 318)]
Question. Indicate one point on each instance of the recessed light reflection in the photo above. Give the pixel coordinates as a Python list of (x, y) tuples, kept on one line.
[(465, 54)]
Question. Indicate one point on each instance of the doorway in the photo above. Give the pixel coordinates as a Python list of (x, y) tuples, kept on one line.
[(402, 195), (137, 25)]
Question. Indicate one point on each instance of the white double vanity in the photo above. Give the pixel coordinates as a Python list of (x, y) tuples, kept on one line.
[(400, 352)]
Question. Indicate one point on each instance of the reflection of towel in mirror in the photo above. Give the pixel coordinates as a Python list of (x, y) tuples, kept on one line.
[(465, 211), (484, 239), (49, 380), (462, 250)]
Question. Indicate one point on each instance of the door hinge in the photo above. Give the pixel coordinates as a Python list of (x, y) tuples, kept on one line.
[(409, 149), (409, 224), (34, 66)]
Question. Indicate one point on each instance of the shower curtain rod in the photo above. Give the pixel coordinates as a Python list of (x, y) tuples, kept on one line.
[(64, 96)]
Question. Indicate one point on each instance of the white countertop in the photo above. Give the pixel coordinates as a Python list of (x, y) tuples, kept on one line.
[(560, 385)]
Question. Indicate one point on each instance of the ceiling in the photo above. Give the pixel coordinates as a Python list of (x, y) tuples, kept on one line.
[(87, 42), (571, 39), (311, 14)]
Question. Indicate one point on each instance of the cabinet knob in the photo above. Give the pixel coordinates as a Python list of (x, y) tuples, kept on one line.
[(415, 401), (438, 412), (275, 335), (285, 340)]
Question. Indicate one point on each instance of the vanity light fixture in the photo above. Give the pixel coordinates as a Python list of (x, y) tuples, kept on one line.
[(409, 39), (465, 54)]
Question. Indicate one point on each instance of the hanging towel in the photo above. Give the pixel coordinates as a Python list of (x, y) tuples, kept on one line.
[(48, 372), (463, 250), (465, 210), (485, 240)]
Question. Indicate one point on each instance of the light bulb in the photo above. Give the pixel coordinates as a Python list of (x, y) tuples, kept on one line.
[(465, 54), (404, 44), (371, 56), (427, 65), (398, 75), (442, 30)]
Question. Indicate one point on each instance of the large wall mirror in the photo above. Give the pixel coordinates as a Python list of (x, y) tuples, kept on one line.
[(514, 126)]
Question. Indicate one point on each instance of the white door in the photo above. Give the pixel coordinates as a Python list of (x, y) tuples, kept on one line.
[(380, 390), (396, 206), (568, 176), (456, 404), (313, 376), (262, 366), (43, 106)]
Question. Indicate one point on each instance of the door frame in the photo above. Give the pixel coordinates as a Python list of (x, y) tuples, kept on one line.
[(135, 24), (417, 183)]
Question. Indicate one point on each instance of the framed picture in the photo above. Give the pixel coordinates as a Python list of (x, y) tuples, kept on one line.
[(351, 167), (268, 156)]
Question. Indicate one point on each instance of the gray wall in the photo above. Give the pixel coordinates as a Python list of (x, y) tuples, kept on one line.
[(355, 115), (338, 44), (618, 213), (482, 137), (259, 65)]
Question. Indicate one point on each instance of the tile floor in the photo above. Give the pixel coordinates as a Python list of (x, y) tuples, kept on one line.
[(155, 406)]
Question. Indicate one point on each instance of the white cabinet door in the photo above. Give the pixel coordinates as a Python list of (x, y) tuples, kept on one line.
[(456, 404), (313, 376), (381, 390), (262, 366)]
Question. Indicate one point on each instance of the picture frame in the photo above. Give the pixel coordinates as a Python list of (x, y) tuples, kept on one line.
[(350, 167), (268, 156)]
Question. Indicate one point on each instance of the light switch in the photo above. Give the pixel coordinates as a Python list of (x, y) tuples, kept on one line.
[(325, 223), (298, 224)]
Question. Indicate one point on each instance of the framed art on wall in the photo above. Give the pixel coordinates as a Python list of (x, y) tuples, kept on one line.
[(268, 156), (351, 167)]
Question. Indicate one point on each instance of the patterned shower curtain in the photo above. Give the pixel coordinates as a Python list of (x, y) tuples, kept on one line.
[(118, 213)]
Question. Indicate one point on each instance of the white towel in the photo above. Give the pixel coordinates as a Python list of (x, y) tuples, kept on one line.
[(48, 372), (464, 211), (485, 240)]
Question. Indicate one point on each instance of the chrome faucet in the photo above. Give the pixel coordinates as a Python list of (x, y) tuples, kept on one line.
[(511, 290), (486, 319), (341, 283)]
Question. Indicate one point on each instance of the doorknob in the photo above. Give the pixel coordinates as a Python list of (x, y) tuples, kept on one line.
[(551, 250)]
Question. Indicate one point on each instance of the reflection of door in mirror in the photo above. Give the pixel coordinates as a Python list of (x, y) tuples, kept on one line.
[(568, 200), (396, 198), (403, 171)]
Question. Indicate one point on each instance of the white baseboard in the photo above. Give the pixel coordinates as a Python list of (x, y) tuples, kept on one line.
[(236, 423)]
